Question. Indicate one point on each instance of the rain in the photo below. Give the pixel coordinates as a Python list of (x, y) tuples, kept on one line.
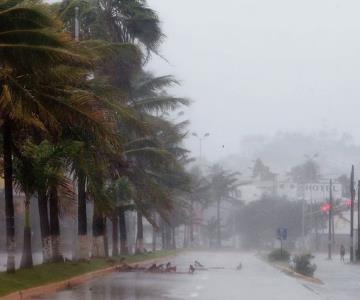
[(156, 149)]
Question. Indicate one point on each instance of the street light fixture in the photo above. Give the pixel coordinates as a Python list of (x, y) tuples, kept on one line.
[(200, 138)]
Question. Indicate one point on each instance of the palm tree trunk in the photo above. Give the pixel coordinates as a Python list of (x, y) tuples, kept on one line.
[(44, 225), (98, 247), (154, 234), (186, 240), (27, 259), (168, 236), (173, 234), (55, 225), (106, 240), (139, 248), (163, 234), (9, 202), (124, 249), (115, 234), (82, 219)]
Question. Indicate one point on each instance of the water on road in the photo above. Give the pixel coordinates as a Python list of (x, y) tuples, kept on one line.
[(256, 281)]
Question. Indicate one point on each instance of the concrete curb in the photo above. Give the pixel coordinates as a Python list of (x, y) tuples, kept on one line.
[(51, 288), (291, 272)]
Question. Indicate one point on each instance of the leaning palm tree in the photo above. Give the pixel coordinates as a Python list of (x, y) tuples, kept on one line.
[(40, 92), (149, 96), (129, 21), (30, 45)]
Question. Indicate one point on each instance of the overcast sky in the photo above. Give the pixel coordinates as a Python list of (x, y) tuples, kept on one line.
[(260, 66)]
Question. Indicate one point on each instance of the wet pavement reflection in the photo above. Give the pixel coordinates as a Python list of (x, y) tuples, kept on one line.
[(256, 281)]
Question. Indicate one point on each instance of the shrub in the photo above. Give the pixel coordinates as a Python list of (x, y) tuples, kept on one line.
[(303, 264), (279, 255)]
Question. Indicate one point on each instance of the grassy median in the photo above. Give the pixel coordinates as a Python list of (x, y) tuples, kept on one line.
[(54, 272)]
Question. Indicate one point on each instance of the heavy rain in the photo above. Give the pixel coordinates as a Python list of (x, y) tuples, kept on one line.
[(167, 149)]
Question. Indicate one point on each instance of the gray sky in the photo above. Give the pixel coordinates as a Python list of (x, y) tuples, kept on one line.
[(260, 66)]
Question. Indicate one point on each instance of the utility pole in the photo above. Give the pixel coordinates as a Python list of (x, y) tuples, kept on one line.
[(303, 223), (358, 224), (218, 227), (352, 194), (330, 223)]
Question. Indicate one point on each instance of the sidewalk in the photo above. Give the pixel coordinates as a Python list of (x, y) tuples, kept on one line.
[(341, 280)]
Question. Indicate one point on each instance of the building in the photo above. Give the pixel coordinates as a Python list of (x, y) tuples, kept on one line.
[(315, 192)]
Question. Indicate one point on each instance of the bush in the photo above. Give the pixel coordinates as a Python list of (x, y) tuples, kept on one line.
[(279, 255), (303, 264)]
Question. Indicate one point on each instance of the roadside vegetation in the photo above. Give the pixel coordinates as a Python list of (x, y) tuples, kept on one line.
[(300, 263), (279, 255), (303, 264)]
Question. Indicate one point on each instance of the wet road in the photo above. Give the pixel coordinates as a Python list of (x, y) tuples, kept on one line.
[(256, 281)]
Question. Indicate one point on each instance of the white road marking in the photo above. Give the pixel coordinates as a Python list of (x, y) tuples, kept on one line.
[(193, 295), (199, 287), (174, 296)]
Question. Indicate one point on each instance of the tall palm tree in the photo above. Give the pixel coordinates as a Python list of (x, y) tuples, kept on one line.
[(30, 45), (223, 184), (130, 22)]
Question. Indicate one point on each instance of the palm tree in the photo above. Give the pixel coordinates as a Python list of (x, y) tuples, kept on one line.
[(30, 46), (154, 154), (126, 21), (131, 22), (223, 184)]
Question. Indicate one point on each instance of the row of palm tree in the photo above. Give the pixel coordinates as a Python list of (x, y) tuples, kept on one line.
[(86, 113)]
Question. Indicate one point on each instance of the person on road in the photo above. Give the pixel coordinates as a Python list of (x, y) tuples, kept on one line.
[(342, 253)]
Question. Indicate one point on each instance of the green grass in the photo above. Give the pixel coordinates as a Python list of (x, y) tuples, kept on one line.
[(54, 272)]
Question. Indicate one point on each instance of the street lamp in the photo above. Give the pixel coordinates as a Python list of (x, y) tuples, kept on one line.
[(77, 25), (200, 138)]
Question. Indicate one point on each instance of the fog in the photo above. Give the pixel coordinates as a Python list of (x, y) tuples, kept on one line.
[(259, 67), (102, 173)]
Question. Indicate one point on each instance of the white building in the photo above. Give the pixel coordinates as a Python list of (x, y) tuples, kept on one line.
[(316, 192)]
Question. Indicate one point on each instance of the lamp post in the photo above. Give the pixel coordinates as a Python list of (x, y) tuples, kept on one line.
[(200, 138), (77, 25)]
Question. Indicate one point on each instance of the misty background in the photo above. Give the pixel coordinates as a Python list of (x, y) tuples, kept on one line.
[(271, 79)]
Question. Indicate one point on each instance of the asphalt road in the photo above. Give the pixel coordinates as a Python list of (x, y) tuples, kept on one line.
[(256, 281)]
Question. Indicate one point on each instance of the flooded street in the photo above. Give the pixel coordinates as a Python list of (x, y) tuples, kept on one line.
[(255, 281)]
